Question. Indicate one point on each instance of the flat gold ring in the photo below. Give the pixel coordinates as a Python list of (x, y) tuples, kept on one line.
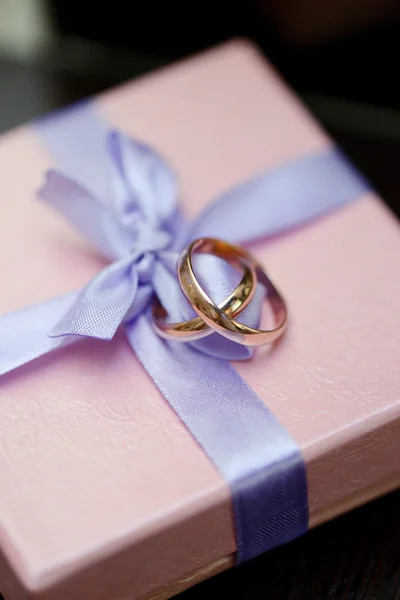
[(211, 313), (233, 305)]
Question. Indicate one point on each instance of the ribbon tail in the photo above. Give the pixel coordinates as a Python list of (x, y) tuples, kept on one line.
[(250, 448), (24, 333)]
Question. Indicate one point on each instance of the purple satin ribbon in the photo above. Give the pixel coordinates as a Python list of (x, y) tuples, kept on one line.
[(122, 196)]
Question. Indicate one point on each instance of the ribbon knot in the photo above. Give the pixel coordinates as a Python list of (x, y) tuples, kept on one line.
[(149, 243)]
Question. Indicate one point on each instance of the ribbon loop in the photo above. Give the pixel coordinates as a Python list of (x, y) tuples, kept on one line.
[(147, 186), (93, 219), (102, 305)]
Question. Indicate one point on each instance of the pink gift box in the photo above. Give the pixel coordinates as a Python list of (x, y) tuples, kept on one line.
[(105, 494)]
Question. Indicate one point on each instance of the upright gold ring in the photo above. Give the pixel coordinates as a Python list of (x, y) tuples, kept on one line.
[(221, 318), (211, 314), (233, 305)]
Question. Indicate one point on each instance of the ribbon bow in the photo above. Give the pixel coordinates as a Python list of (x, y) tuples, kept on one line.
[(140, 231)]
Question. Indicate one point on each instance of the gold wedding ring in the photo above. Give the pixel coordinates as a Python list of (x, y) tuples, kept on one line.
[(233, 305), (221, 318)]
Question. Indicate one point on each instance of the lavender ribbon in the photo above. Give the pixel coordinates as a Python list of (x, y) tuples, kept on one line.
[(122, 196)]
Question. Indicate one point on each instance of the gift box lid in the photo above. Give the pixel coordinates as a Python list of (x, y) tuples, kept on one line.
[(105, 494)]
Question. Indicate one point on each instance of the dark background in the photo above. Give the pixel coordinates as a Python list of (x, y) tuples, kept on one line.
[(343, 60), (347, 72)]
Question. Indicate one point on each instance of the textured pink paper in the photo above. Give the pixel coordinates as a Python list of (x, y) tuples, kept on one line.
[(94, 465)]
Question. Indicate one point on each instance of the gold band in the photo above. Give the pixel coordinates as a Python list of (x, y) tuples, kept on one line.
[(210, 313), (233, 305), (220, 318)]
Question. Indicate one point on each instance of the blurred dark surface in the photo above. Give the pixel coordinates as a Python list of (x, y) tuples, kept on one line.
[(352, 86), (355, 557), (362, 65), (366, 125)]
